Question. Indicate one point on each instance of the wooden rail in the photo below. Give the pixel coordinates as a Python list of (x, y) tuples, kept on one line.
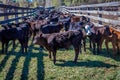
[(104, 13), (8, 10)]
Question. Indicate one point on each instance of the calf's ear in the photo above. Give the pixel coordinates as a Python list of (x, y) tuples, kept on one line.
[(40, 35)]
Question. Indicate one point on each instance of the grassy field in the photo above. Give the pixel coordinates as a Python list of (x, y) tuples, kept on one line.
[(35, 65)]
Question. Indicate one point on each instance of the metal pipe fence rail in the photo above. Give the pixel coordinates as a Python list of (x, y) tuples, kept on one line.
[(16, 12), (100, 14)]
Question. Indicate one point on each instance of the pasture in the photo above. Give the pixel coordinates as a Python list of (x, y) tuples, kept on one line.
[(36, 65)]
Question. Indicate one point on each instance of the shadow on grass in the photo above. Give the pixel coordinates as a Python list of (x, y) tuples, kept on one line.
[(85, 64), (11, 71), (4, 61), (25, 70), (108, 55)]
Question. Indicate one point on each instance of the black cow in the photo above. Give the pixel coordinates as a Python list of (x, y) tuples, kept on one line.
[(51, 28), (54, 19), (66, 21), (9, 26), (54, 41), (20, 33)]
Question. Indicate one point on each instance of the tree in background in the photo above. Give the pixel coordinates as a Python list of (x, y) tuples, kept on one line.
[(24, 3)]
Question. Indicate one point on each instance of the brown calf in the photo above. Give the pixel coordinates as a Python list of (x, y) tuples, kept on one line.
[(114, 39)]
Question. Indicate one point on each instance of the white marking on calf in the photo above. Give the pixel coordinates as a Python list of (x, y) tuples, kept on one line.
[(18, 28)]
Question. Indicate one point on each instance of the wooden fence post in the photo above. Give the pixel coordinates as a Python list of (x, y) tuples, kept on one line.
[(31, 11), (16, 15), (119, 15), (80, 10), (5, 16), (88, 14), (27, 12), (22, 12), (100, 15)]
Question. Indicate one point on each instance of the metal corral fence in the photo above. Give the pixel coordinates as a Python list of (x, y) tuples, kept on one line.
[(100, 14), (16, 12)]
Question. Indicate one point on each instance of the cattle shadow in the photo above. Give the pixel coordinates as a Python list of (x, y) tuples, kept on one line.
[(108, 55), (88, 63), (104, 52), (25, 71)]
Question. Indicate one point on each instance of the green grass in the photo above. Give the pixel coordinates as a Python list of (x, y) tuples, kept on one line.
[(35, 65)]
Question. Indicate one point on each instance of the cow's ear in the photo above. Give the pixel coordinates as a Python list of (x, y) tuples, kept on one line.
[(40, 34), (4, 26), (60, 23), (112, 32)]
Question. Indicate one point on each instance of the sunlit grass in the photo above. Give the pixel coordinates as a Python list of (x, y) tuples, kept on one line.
[(5, 66), (19, 67)]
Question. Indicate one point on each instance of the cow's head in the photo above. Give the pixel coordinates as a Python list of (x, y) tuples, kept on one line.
[(12, 25), (61, 24), (107, 30), (39, 39), (84, 19)]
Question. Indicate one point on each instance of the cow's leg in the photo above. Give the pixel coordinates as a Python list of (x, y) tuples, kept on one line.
[(3, 47), (34, 33), (22, 46), (33, 37), (106, 44), (80, 50), (90, 43), (77, 49), (41, 48), (6, 47), (26, 45), (94, 47), (114, 48), (98, 48), (84, 44), (26, 48), (100, 45), (50, 56), (30, 32), (13, 46), (54, 56), (117, 46)]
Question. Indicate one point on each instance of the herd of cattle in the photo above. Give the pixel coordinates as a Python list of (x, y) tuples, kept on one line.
[(54, 30)]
